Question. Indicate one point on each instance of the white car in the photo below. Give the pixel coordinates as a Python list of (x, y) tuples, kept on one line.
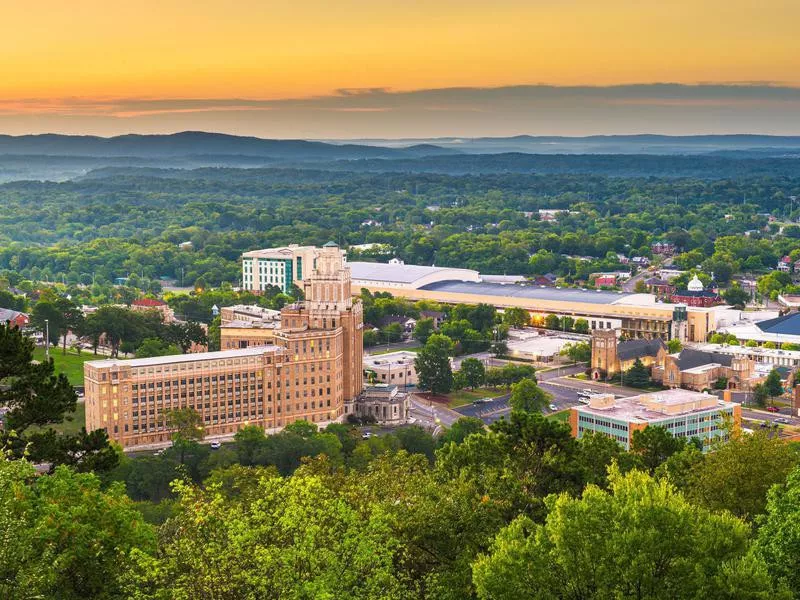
[(215, 445), (583, 400), (553, 407), (366, 435)]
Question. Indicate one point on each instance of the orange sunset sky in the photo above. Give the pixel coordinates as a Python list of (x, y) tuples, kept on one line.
[(354, 68)]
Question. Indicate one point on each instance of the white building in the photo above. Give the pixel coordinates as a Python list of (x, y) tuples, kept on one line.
[(280, 267), (394, 368)]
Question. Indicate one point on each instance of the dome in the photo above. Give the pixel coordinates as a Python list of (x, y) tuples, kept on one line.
[(695, 285)]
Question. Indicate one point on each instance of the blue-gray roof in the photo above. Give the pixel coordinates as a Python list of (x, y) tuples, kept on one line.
[(785, 325), (526, 291)]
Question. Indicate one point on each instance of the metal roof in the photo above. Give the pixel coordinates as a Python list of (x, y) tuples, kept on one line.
[(528, 291), (399, 273), (785, 325)]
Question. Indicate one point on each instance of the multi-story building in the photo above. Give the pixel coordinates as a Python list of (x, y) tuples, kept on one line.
[(683, 413), (248, 312), (242, 326), (244, 334), (279, 267), (309, 372)]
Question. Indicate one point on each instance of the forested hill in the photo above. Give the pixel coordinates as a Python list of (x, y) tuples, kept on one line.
[(614, 165), (197, 143), (60, 157)]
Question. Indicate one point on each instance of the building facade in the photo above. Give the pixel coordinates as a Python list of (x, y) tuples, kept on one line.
[(279, 267), (384, 403), (309, 372), (683, 413), (393, 368), (610, 356)]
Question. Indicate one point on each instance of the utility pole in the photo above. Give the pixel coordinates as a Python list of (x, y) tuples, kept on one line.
[(47, 339)]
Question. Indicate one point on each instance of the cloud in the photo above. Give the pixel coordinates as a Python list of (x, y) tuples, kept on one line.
[(759, 107)]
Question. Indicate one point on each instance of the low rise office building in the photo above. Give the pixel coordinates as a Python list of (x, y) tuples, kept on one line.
[(684, 413)]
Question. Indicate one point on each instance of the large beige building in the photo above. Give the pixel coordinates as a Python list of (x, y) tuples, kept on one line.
[(309, 372), (637, 315)]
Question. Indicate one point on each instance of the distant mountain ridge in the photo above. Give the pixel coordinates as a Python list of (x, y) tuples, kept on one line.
[(197, 143)]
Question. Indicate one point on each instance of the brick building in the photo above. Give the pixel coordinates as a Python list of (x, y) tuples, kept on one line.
[(309, 372)]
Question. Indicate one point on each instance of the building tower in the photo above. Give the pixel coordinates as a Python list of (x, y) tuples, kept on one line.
[(330, 303), (605, 359)]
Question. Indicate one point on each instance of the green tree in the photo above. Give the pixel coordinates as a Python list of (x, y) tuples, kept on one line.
[(552, 322), (578, 352), (738, 474), (186, 425), (773, 385), (287, 538), (638, 375), (760, 395), (581, 326), (65, 536), (424, 329), (156, 347), (640, 539), (516, 317), (461, 429), (433, 365), (474, 372), (674, 346), (526, 396), (736, 296), (654, 445), (778, 537), (37, 399)]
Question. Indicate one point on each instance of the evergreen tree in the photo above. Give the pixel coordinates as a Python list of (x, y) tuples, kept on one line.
[(433, 365), (638, 375)]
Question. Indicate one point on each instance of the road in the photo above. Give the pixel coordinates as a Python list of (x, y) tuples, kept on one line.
[(629, 286)]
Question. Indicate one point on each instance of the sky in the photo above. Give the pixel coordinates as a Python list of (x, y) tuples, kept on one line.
[(418, 68)]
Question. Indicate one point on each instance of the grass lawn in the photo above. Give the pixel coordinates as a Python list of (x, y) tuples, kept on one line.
[(375, 352), (462, 397), (562, 415), (70, 363)]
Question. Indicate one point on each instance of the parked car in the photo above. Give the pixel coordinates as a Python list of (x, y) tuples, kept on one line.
[(366, 435), (773, 409), (553, 407), (215, 445)]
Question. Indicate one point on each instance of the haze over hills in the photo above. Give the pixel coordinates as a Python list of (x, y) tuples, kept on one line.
[(60, 157)]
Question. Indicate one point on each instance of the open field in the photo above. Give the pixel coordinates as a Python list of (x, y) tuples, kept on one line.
[(70, 364)]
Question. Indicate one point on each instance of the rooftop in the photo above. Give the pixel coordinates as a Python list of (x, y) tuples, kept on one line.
[(785, 325), (149, 302), (390, 359), (183, 358), (657, 406), (534, 292), (632, 349), (407, 274)]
